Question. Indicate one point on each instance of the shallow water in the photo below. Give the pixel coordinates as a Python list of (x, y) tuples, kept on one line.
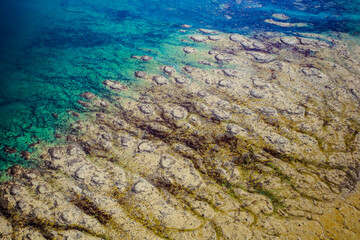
[(52, 51)]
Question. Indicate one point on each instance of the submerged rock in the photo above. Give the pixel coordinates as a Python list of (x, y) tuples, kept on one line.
[(188, 69), (198, 38), (160, 80), (185, 26), (141, 74), (214, 38), (169, 70), (25, 155), (290, 40), (115, 85), (181, 79), (280, 16), (207, 31), (223, 57), (146, 58), (88, 95), (189, 50)]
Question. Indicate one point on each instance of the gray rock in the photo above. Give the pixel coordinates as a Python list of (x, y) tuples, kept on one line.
[(238, 38), (222, 57), (261, 57), (313, 42), (290, 40), (260, 83), (189, 50), (141, 186), (98, 180), (280, 16), (141, 74), (42, 189), (202, 94), (160, 80), (207, 31), (169, 70), (225, 83), (257, 45), (213, 52), (56, 152), (311, 72), (166, 161), (247, 43), (181, 80), (115, 85), (185, 26), (237, 109), (5, 226), (146, 58), (223, 104), (277, 139), (84, 172), (198, 38), (126, 141), (230, 72), (68, 216), (204, 62), (215, 38), (268, 111), (220, 114), (188, 69), (145, 147), (257, 93), (179, 113), (16, 190), (295, 110), (147, 108), (234, 129)]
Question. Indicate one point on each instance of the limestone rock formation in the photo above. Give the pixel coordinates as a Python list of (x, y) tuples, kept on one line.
[(264, 145)]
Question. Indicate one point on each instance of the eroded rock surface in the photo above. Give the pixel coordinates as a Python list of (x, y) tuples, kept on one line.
[(265, 148)]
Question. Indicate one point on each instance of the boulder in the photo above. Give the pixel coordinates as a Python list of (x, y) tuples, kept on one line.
[(198, 38), (207, 31), (189, 50), (115, 85), (146, 58), (160, 80), (141, 74)]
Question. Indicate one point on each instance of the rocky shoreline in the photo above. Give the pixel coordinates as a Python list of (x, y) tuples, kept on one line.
[(263, 143)]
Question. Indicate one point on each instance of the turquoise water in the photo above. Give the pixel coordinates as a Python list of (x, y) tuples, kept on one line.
[(53, 50)]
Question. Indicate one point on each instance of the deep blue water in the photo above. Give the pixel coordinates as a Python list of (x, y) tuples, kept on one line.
[(52, 50)]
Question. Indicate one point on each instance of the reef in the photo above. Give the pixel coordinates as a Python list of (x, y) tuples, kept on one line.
[(261, 142)]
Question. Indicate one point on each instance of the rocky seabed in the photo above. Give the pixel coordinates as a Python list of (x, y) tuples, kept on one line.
[(261, 143)]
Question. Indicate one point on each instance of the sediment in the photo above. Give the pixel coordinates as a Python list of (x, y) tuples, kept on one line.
[(262, 143)]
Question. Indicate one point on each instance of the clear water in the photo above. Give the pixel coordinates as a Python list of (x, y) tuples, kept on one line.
[(53, 50)]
